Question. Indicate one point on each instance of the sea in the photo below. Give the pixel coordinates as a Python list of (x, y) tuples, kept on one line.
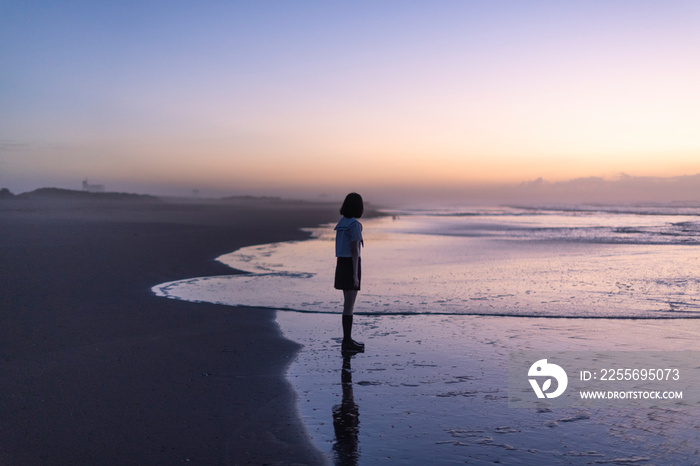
[(583, 262), (450, 295)]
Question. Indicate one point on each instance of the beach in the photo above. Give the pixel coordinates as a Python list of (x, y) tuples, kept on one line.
[(130, 335), (459, 307), (96, 369), (176, 278), (436, 390)]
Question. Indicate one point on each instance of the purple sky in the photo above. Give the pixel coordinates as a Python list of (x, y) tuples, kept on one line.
[(311, 97)]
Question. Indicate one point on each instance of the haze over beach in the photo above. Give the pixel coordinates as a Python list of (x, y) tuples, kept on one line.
[(450, 101), (170, 179)]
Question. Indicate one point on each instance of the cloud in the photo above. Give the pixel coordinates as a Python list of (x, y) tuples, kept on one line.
[(623, 188)]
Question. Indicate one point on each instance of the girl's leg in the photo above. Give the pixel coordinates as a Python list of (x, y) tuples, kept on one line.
[(349, 301), (348, 306)]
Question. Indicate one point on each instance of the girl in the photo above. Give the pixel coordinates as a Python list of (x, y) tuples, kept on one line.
[(348, 273)]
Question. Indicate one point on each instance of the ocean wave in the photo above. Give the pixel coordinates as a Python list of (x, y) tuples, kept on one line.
[(518, 211), (581, 267), (594, 224)]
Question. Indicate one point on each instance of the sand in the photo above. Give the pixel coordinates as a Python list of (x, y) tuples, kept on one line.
[(98, 370), (435, 389)]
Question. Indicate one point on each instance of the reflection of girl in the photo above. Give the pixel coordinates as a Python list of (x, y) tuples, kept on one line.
[(346, 420), (348, 272)]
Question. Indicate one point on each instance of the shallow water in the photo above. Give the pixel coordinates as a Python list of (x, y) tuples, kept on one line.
[(512, 262), (447, 297), (434, 390)]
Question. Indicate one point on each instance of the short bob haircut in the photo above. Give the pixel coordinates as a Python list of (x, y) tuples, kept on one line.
[(352, 207)]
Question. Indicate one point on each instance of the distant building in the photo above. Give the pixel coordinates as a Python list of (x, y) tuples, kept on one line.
[(93, 188)]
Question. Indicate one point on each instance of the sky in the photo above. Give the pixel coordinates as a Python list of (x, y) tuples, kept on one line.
[(312, 98)]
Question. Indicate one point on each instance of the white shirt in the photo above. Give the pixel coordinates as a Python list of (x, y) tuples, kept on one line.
[(347, 231)]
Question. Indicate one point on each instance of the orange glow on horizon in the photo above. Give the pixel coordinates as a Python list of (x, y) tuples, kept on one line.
[(415, 100)]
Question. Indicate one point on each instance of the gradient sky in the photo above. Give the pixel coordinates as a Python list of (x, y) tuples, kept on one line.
[(308, 97)]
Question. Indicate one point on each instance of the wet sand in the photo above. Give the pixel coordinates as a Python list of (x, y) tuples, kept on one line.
[(435, 389), (98, 370)]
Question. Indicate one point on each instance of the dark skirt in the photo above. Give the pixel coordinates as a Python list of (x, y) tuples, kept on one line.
[(344, 274)]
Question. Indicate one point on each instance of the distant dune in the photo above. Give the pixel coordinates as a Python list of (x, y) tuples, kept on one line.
[(57, 194)]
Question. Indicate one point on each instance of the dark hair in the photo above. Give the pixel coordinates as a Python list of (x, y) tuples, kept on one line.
[(353, 207)]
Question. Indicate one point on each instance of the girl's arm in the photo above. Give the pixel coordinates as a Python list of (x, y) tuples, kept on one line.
[(355, 251)]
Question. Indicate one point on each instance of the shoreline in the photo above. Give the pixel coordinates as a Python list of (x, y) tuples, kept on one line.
[(98, 370)]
